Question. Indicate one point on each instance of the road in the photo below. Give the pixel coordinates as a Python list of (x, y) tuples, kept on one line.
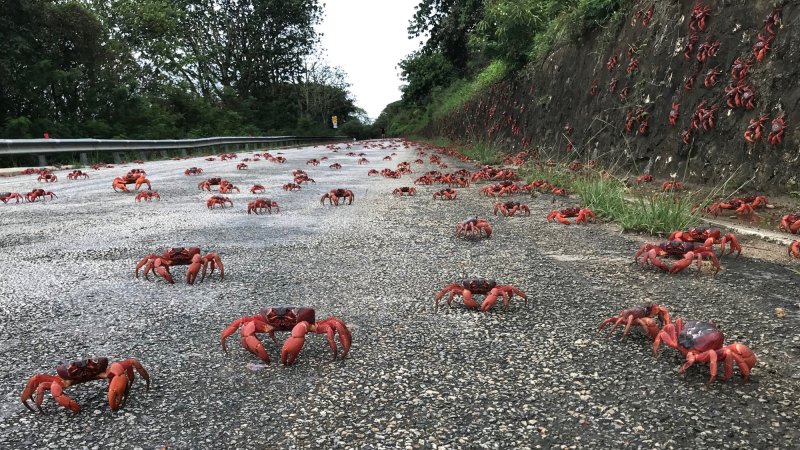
[(536, 375)]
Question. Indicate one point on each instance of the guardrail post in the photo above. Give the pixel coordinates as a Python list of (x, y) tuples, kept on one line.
[(143, 155), (183, 152), (42, 160), (84, 159), (164, 154), (117, 158)]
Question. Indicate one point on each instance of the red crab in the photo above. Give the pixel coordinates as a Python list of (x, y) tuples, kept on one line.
[(702, 342), (612, 63), (479, 286), (226, 187), (206, 185), (446, 194), (362, 161), (301, 178), (711, 77), (313, 162), (688, 49), (259, 205), (672, 186), (334, 195), (193, 171), (642, 315), (146, 195), (35, 194), (405, 190), (593, 88), (335, 166), (241, 166), (707, 50), (632, 66), (474, 227), (772, 19), (257, 189), (740, 95), (704, 116), (790, 223), (646, 178), (511, 208), (181, 256), (674, 114), (794, 249), (5, 197), (741, 205), (776, 131), (387, 158), (218, 200), (373, 172), (291, 187), (75, 174), (299, 320), (119, 374), (612, 86), (756, 129), (584, 215), (699, 15), (500, 189), (739, 68), (762, 46), (709, 236), (47, 177), (686, 251)]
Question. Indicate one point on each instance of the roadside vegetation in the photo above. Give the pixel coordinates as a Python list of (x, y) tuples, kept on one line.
[(613, 200), (473, 44), (160, 69)]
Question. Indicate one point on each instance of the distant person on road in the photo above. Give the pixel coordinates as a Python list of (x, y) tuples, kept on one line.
[(383, 132)]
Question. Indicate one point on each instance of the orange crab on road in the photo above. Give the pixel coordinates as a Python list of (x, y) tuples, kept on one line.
[(583, 216), (299, 320), (335, 195), (479, 286), (511, 208), (183, 256), (119, 374)]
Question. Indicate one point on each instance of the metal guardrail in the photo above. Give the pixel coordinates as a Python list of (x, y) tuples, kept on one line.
[(42, 146)]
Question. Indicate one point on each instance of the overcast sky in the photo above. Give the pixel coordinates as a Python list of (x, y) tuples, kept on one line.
[(367, 38)]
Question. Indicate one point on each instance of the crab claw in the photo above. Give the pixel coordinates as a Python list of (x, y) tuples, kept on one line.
[(293, 345), (121, 375)]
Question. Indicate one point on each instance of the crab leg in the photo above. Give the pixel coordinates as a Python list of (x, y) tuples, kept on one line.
[(709, 356)]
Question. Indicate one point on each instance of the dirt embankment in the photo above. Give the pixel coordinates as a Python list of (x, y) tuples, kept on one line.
[(533, 110)]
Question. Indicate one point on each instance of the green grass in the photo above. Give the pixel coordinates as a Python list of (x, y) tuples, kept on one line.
[(558, 176), (659, 214), (604, 196), (611, 200), (483, 152), (460, 92)]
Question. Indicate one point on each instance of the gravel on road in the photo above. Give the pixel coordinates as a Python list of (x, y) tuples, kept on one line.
[(527, 377)]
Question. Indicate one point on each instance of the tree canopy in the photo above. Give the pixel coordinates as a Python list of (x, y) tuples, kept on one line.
[(165, 69)]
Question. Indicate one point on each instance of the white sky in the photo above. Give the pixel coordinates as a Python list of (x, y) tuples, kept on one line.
[(367, 38)]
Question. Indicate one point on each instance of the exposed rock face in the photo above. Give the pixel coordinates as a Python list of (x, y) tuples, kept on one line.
[(533, 109)]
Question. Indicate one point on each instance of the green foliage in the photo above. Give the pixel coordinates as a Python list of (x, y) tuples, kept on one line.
[(461, 92), (604, 196), (484, 152), (658, 214), (557, 175), (610, 199), (205, 67), (654, 214), (502, 36)]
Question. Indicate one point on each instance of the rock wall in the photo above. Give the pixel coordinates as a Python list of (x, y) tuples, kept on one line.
[(552, 103)]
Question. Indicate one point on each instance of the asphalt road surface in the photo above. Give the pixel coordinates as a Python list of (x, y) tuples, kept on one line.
[(531, 376)]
